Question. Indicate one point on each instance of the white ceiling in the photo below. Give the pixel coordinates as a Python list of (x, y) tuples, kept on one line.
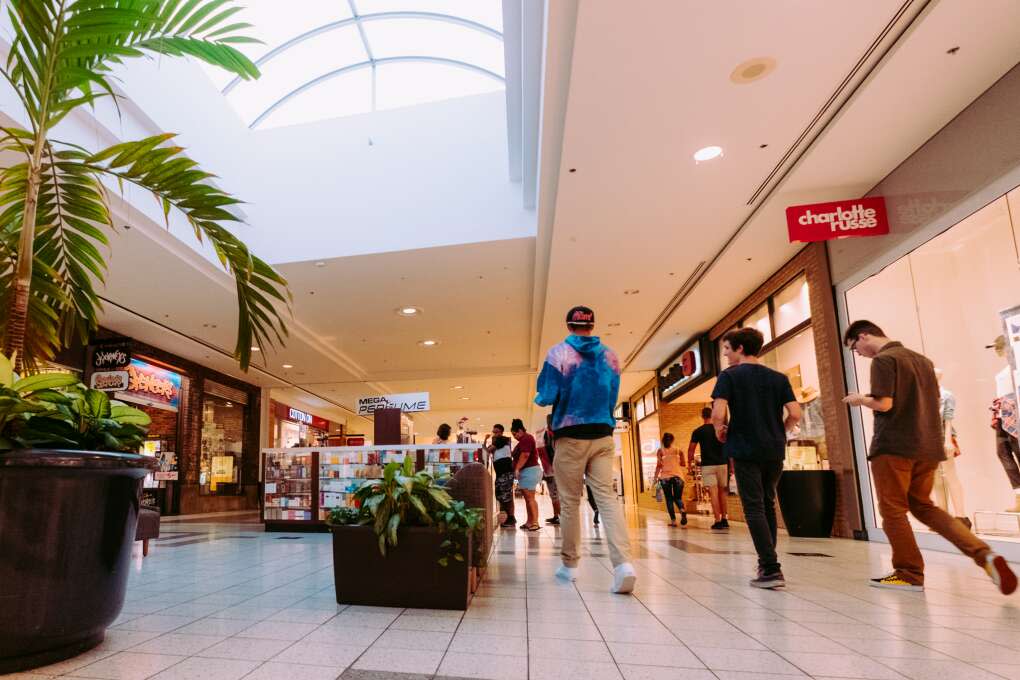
[(629, 96)]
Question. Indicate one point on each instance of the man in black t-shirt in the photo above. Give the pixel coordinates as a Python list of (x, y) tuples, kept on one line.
[(747, 411), (715, 468)]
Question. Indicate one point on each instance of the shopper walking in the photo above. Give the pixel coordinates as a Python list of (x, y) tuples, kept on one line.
[(581, 381), (503, 465), (906, 449), (592, 504), (747, 413), (715, 468), (669, 473), (547, 453), (527, 470)]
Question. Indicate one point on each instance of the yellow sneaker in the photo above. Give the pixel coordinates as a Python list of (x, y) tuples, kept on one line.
[(894, 582)]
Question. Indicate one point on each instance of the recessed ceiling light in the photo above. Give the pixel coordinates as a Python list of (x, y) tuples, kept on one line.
[(409, 311), (631, 291), (428, 343), (320, 263), (465, 398), (255, 349), (457, 387), (752, 70), (707, 153), (288, 366)]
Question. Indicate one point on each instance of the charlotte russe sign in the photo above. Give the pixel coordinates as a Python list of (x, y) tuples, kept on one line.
[(837, 219), (411, 402)]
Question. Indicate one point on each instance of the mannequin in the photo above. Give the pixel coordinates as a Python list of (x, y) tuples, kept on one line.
[(1006, 424), (950, 485)]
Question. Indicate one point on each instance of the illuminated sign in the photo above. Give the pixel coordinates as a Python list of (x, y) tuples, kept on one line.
[(689, 367), (412, 402), (299, 416), (152, 385)]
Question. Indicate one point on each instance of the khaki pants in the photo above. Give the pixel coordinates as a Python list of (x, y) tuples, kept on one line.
[(904, 484), (576, 458)]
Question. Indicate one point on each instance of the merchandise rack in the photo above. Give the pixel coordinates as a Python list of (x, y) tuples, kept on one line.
[(302, 485)]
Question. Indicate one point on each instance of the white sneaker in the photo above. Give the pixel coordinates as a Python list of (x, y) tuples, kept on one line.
[(624, 578), (566, 573)]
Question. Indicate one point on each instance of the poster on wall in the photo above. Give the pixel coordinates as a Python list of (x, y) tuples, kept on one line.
[(411, 402), (686, 369)]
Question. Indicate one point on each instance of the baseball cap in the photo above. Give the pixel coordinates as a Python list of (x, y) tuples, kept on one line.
[(581, 316)]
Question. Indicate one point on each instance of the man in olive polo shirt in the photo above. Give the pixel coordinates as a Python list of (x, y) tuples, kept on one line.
[(906, 449)]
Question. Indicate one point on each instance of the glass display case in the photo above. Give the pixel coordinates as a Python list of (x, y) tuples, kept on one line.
[(302, 485)]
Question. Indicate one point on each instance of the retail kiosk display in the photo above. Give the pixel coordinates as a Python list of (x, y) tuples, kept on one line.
[(302, 485)]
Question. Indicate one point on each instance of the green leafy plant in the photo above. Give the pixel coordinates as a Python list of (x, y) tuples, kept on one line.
[(55, 213), (406, 498), (456, 523), (343, 516), (55, 410)]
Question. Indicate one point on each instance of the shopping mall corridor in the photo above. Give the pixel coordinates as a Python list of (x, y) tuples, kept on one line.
[(223, 601)]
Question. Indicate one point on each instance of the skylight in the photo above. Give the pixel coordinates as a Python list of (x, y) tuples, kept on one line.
[(329, 58)]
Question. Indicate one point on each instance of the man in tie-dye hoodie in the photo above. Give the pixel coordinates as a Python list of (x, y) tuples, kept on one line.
[(581, 381)]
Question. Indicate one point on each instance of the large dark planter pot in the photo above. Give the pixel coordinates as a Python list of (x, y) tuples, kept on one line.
[(67, 524), (807, 499), (409, 575)]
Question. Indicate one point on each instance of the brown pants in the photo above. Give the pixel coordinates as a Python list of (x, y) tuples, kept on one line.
[(580, 461), (904, 484)]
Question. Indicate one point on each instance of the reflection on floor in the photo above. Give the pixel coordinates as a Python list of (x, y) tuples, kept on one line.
[(221, 602)]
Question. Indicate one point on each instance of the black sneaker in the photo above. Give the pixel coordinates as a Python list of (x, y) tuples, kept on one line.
[(718, 526), (683, 519), (724, 523), (553, 520), (510, 523), (769, 581), (596, 520)]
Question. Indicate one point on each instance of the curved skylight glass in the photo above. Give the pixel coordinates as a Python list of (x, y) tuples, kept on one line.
[(329, 58)]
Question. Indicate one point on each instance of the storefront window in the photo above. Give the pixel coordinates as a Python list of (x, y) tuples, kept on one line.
[(648, 431), (223, 427), (946, 299), (796, 358), (792, 305), (759, 319)]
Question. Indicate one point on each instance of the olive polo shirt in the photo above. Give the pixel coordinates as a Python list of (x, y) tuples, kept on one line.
[(912, 428)]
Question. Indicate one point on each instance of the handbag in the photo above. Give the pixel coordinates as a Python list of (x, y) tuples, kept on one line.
[(658, 491), (733, 484)]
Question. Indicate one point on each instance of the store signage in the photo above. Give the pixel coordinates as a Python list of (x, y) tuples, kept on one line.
[(299, 416), (412, 402), (285, 412), (109, 381), (685, 369), (153, 385), (838, 219), (111, 356)]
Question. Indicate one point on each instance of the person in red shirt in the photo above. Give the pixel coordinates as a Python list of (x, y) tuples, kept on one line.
[(528, 470)]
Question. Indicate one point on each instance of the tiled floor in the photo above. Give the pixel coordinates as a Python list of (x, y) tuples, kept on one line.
[(225, 601)]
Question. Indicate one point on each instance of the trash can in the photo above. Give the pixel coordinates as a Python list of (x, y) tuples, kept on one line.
[(807, 499)]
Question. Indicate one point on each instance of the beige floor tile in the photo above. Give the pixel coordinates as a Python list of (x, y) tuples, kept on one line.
[(254, 649), (489, 644), (320, 654), (128, 666), (393, 660), (578, 650), (675, 655), (273, 670), (197, 668), (485, 666), (568, 669)]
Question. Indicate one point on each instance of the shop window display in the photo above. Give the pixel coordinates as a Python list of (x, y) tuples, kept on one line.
[(223, 427), (950, 299), (792, 305)]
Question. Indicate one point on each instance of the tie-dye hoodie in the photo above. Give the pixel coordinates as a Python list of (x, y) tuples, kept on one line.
[(581, 381)]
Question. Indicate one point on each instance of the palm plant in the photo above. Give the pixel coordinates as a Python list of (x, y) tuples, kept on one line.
[(54, 209)]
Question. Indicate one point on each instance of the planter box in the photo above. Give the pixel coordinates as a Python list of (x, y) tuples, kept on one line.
[(67, 526), (409, 575)]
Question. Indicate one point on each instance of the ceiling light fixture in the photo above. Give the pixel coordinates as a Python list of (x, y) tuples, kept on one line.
[(255, 349), (428, 343), (707, 153), (465, 398), (752, 70), (631, 291), (409, 311), (320, 263), (288, 366), (457, 387)]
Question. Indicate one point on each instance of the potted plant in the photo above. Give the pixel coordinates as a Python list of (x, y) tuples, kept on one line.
[(67, 517), (407, 544), (68, 514)]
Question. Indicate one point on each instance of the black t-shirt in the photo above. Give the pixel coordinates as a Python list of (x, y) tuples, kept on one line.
[(711, 447), (756, 395)]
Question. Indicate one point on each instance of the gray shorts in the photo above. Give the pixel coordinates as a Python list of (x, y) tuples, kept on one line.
[(715, 475)]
